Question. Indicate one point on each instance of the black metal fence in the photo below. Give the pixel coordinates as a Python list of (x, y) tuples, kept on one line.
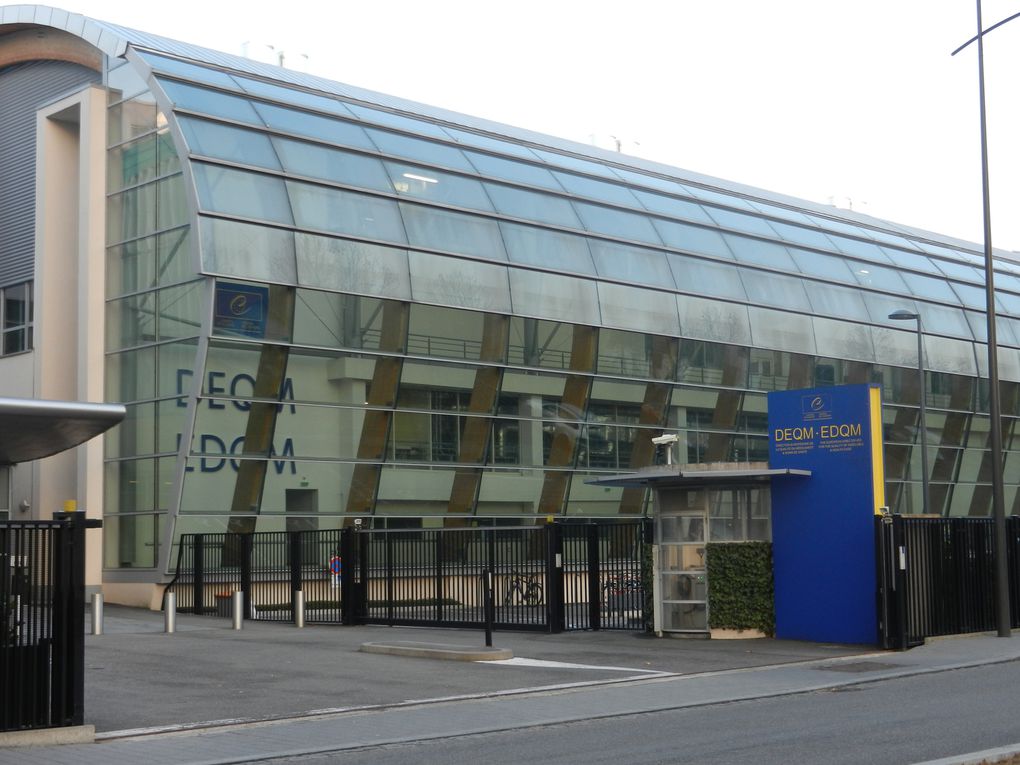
[(552, 577), (42, 622), (936, 576)]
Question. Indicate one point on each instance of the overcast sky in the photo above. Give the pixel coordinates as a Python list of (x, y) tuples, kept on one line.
[(856, 104)]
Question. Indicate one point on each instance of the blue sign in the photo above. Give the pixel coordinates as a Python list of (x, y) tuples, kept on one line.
[(241, 309), (823, 526)]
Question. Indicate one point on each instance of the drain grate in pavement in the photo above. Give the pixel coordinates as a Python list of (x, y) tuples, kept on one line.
[(858, 666)]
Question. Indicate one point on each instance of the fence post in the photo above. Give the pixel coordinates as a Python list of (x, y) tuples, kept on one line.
[(294, 545), (246, 552), (489, 535), (170, 614), (97, 613), (198, 565), (70, 646), (594, 591), (555, 607), (899, 556), (348, 588)]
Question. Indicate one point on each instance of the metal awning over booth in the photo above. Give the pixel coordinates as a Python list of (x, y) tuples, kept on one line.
[(664, 476), (31, 429)]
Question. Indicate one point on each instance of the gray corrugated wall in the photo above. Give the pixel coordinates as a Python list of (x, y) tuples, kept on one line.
[(23, 89)]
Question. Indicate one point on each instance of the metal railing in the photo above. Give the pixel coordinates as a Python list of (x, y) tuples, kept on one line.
[(553, 577), (42, 622), (936, 577)]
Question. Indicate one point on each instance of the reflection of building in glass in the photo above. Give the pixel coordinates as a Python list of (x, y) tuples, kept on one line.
[(323, 303)]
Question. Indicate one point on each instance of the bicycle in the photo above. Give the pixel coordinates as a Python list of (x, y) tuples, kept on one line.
[(527, 587)]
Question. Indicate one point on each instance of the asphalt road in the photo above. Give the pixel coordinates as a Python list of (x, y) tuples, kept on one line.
[(891, 722)]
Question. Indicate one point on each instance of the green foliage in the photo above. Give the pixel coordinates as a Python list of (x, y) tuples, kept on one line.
[(740, 590), (647, 607)]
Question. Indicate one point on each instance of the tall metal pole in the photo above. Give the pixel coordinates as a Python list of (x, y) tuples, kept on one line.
[(923, 393), (998, 503)]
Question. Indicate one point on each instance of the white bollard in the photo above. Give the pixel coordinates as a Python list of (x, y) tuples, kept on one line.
[(299, 609), (238, 609), (97, 613), (170, 614)]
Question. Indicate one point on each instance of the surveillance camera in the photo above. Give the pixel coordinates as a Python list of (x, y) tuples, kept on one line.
[(670, 438), (357, 522)]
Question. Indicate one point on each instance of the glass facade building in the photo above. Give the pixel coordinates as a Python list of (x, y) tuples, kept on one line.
[(324, 303)]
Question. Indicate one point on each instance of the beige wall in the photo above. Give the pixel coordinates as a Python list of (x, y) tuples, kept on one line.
[(69, 292)]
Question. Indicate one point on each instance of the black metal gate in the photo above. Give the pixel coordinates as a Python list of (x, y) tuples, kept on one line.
[(42, 622), (936, 576), (558, 576)]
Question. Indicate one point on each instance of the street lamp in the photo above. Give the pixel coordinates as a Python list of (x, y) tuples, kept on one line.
[(995, 432), (902, 315)]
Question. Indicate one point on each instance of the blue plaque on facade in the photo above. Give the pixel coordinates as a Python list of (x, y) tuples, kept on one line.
[(240, 309), (823, 526)]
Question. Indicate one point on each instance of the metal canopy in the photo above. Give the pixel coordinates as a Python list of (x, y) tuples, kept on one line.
[(31, 429), (664, 477)]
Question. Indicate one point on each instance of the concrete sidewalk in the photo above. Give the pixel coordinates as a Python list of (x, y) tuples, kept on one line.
[(268, 670)]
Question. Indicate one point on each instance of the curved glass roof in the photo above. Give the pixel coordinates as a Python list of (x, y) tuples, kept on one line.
[(412, 202)]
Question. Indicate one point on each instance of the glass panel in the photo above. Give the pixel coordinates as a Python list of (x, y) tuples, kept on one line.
[(129, 486), (635, 308), (346, 212), (188, 71), (895, 347), (710, 195), (693, 239), (171, 358), (714, 320), (837, 301), (507, 169), (684, 557), (131, 163), (309, 160), (705, 277), (781, 331), (131, 376), (574, 163), (452, 232), (928, 287), (131, 267), (537, 343), (433, 186), (237, 192), (314, 126), (124, 81), (589, 187), (532, 206), (181, 310), (974, 297), (684, 587), (336, 321), (553, 296), (752, 224), (549, 249), (629, 354), (136, 434), (775, 289), (959, 270), (859, 249), (944, 320), (844, 340), (802, 235), (209, 102), (399, 121), (352, 266), (469, 138), (131, 321), (760, 252), (292, 96), (673, 207), (171, 202), (173, 257), (870, 275), (233, 144), (131, 118), (451, 281), (633, 264), (131, 213), (247, 250), (417, 149), (946, 355), (605, 220), (131, 541), (816, 264)]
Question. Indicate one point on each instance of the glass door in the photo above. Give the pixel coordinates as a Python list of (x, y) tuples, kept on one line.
[(682, 579)]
